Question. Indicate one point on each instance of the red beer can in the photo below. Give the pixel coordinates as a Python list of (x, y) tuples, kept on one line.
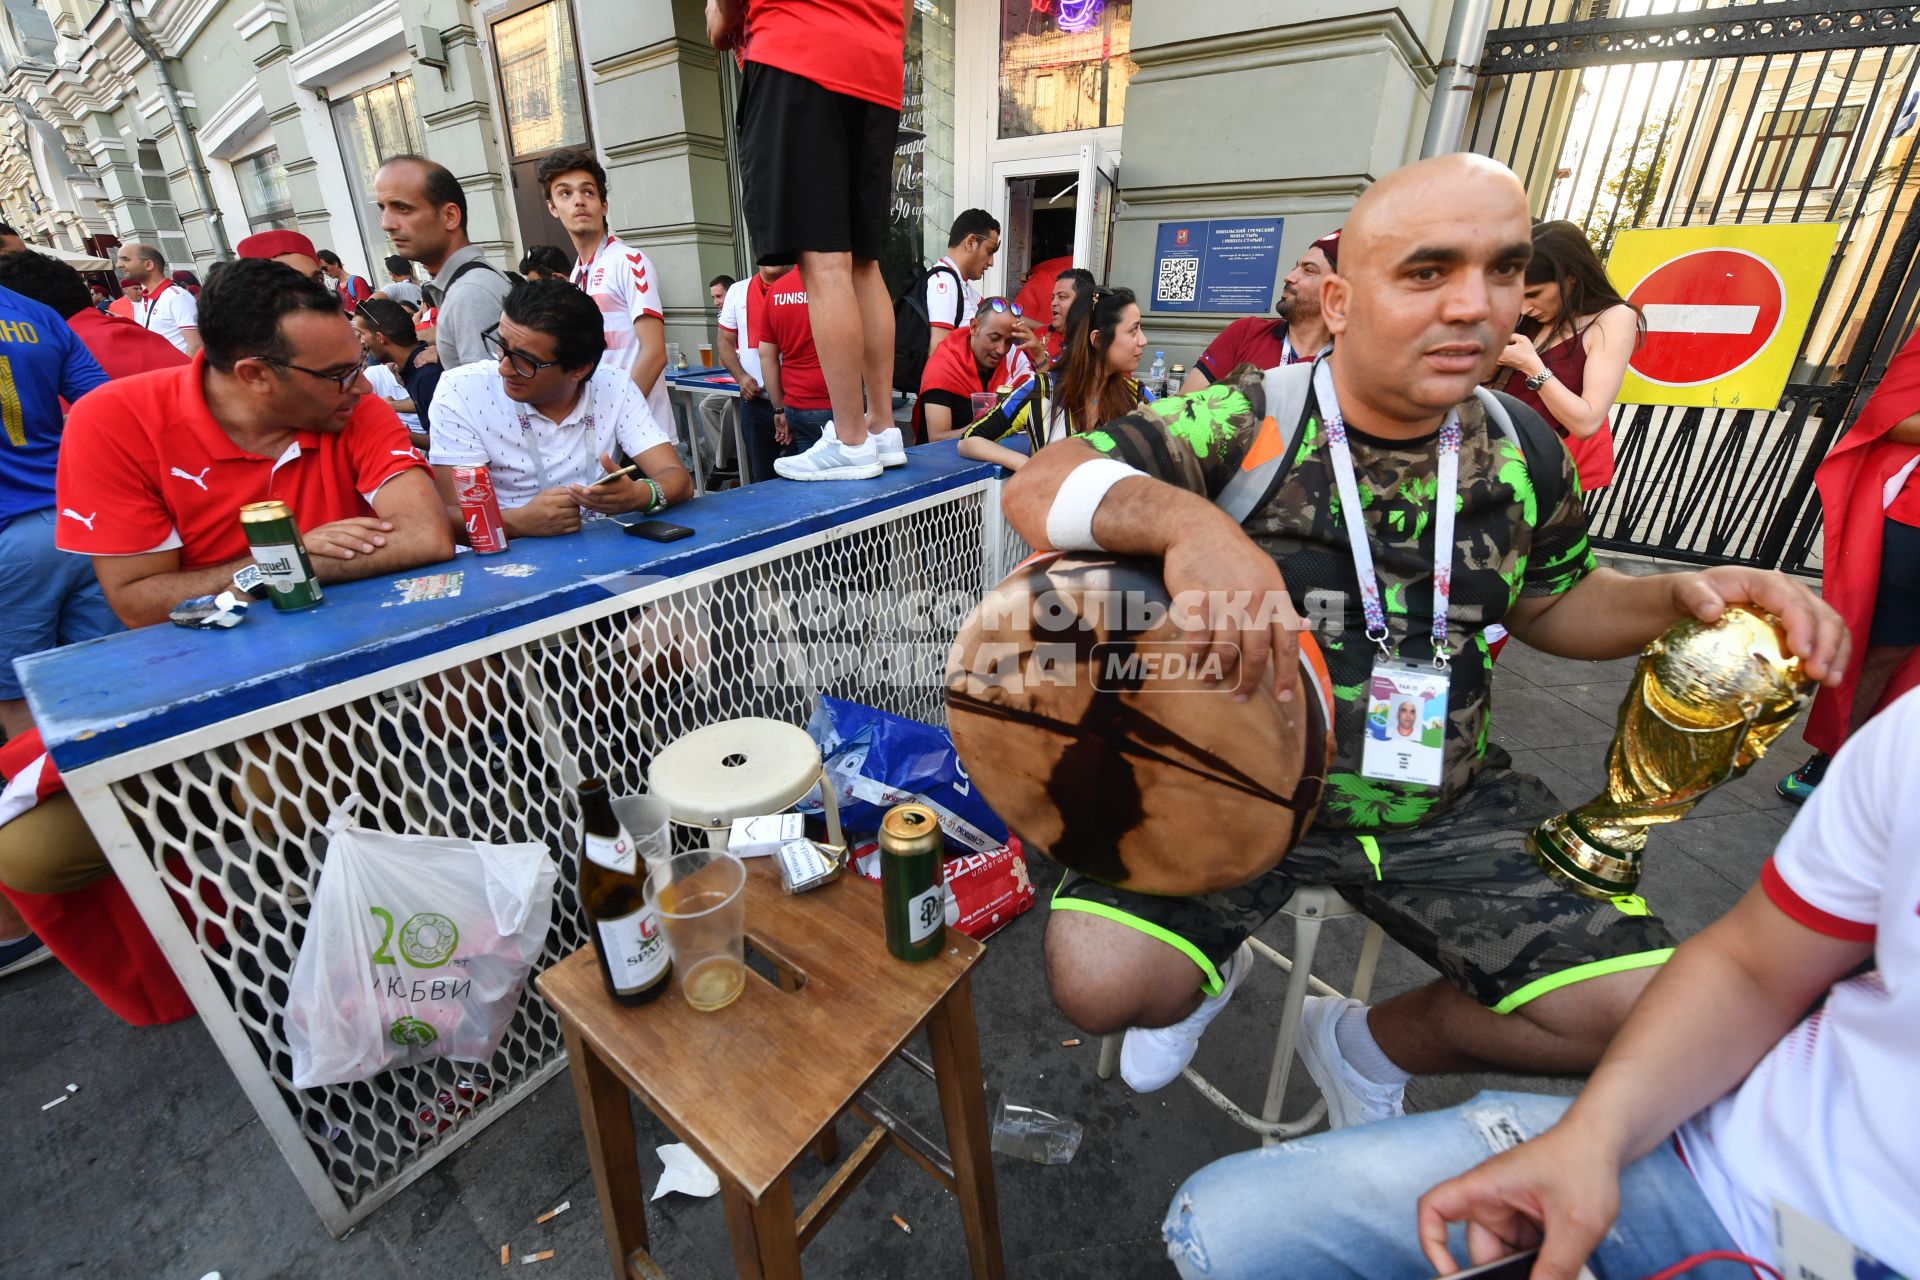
[(486, 533)]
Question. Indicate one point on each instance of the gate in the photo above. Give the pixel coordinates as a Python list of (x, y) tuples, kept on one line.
[(1617, 116)]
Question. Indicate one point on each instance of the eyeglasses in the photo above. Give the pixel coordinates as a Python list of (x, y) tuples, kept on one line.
[(341, 378), (999, 305), (523, 364)]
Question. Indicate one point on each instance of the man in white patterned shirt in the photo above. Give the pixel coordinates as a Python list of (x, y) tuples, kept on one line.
[(547, 417), (618, 277)]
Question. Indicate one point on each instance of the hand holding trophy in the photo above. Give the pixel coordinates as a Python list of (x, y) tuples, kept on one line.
[(1707, 700)]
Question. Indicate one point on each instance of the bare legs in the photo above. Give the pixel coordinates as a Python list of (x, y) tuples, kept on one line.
[(852, 319)]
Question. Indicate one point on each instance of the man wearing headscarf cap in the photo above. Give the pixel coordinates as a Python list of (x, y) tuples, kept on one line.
[(289, 247), (1299, 334)]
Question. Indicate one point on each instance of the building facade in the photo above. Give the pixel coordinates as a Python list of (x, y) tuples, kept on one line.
[(1082, 124)]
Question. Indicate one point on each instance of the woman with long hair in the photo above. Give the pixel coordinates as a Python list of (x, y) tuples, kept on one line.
[(1570, 355), (1092, 384)]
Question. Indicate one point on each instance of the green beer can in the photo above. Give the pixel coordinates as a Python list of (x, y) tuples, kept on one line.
[(280, 555), (912, 890)]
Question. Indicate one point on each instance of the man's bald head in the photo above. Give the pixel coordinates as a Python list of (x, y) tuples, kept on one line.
[(1432, 275)]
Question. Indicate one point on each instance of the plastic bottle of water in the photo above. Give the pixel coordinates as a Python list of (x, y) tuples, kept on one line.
[(1157, 374)]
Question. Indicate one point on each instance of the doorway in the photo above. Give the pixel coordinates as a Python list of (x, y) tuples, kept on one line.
[(538, 64), (1038, 226)]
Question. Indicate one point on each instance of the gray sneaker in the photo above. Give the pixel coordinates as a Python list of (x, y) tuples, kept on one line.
[(828, 459), (1352, 1099)]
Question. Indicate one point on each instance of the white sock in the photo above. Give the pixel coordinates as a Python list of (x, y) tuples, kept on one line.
[(1362, 1053)]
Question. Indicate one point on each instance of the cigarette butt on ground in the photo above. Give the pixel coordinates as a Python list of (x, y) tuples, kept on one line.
[(901, 1223), (506, 1254), (554, 1212), (528, 1259), (1068, 1044), (73, 1088), (48, 1106)]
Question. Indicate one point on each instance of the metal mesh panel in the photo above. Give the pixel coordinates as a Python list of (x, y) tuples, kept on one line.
[(490, 750)]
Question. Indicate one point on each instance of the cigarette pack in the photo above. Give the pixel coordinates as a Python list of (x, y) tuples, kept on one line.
[(761, 837)]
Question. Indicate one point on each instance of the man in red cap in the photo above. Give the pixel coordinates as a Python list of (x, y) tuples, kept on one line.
[(289, 247), (1299, 333)]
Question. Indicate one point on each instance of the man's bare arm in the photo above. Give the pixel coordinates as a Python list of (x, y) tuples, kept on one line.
[(142, 590), (420, 534), (192, 338), (729, 349), (1610, 615), (651, 333)]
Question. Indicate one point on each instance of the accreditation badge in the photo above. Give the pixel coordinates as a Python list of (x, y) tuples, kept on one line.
[(1406, 723)]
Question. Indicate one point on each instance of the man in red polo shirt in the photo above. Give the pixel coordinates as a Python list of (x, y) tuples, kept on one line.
[(121, 347), (151, 480), (1299, 334)]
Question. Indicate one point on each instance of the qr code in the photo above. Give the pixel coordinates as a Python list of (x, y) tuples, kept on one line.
[(1179, 280)]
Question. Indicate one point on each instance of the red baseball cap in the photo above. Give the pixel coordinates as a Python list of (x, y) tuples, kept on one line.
[(271, 244), (1329, 244)]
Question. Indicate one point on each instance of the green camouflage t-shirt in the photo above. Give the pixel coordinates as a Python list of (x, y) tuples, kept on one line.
[(1504, 549)]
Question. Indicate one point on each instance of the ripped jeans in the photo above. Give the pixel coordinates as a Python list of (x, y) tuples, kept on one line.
[(1341, 1204)]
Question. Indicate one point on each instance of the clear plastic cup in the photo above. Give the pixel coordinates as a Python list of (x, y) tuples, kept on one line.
[(645, 818), (983, 402), (700, 897)]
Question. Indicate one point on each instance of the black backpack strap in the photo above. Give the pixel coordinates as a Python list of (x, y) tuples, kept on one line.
[(959, 289), (1539, 444), (465, 267)]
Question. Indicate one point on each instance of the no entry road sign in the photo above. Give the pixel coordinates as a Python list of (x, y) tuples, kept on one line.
[(1724, 309)]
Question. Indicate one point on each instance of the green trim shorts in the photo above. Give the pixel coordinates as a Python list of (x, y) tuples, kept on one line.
[(1461, 892)]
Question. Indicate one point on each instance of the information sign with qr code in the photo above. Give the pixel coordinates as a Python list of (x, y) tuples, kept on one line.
[(1221, 264)]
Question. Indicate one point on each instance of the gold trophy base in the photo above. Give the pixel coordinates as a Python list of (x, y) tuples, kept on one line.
[(1567, 851)]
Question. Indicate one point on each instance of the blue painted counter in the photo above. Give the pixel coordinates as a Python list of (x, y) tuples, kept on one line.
[(99, 699)]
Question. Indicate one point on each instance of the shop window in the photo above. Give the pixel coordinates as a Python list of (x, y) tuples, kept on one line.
[(263, 191), (374, 126), (922, 209), (1063, 65), (540, 79)]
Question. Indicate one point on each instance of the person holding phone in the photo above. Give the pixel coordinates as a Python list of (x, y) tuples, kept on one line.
[(1568, 356), (1759, 1095), (984, 356), (547, 418)]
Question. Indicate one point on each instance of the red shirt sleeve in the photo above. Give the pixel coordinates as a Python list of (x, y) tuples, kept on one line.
[(1223, 353), (108, 485), (379, 446)]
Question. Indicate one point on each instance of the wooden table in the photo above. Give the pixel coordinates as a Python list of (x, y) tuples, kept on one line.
[(756, 1085)]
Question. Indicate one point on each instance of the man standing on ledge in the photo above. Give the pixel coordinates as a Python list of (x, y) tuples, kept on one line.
[(819, 117), (1401, 495), (423, 210), (1299, 334), (163, 306)]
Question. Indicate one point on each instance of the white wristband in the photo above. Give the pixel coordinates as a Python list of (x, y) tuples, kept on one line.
[(1070, 518)]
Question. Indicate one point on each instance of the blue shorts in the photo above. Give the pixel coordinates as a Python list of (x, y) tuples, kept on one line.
[(48, 597)]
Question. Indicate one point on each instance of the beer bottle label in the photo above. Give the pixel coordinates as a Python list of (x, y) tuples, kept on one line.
[(612, 852), (635, 949), (279, 565), (925, 913)]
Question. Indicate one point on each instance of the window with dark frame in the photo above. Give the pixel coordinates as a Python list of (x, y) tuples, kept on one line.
[(263, 191), (1797, 150)]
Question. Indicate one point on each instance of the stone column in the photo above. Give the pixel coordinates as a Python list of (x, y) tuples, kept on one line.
[(456, 110), (269, 42), (126, 198), (654, 84)]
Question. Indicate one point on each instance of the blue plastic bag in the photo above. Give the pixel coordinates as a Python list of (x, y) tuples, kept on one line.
[(875, 760)]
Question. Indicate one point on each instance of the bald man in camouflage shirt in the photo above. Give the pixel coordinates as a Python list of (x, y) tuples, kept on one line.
[(1535, 978)]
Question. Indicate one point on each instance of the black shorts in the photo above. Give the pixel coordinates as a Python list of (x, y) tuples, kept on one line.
[(1896, 609), (1461, 892), (817, 167)]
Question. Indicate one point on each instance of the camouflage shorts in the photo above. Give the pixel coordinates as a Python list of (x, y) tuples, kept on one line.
[(1461, 892)]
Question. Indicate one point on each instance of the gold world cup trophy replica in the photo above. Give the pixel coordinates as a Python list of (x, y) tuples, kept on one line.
[(1706, 702)]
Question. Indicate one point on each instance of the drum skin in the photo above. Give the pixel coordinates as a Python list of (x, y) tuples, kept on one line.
[(1074, 705)]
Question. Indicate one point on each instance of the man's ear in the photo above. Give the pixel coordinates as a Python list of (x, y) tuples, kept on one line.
[(1336, 295), (254, 375)]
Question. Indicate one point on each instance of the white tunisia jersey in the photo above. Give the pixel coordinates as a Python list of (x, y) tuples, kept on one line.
[(1829, 1121), (623, 284)]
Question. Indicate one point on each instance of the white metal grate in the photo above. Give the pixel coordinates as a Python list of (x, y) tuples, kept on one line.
[(488, 748)]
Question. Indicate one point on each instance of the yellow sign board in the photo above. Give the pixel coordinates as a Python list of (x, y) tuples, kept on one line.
[(1724, 309)]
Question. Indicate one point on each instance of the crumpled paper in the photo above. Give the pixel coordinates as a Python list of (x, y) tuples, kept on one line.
[(685, 1172)]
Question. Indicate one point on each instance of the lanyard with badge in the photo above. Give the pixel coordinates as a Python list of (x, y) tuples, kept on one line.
[(1406, 725), (531, 440)]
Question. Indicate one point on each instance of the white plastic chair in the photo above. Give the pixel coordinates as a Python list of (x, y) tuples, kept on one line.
[(1309, 907)]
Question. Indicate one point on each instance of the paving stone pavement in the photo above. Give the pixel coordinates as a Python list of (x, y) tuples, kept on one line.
[(158, 1168)]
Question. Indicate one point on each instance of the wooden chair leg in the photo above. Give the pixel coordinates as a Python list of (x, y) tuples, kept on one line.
[(607, 1119), (764, 1244), (956, 1065)]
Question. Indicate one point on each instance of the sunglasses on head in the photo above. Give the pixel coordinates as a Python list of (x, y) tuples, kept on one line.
[(1001, 305)]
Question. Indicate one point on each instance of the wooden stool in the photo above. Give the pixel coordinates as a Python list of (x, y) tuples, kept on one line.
[(753, 1086)]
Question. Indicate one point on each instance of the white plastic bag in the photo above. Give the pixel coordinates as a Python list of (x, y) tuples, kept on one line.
[(417, 948)]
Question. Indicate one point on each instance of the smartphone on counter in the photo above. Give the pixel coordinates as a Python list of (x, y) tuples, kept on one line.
[(658, 531), (1515, 1266)]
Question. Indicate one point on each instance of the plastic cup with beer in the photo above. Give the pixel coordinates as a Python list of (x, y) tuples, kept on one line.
[(706, 355), (983, 402), (645, 818), (700, 897)]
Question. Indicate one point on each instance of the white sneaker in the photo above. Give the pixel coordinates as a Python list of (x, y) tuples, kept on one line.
[(1352, 1099), (1151, 1057), (892, 447), (828, 459)]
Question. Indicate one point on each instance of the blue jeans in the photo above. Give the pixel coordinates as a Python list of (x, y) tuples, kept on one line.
[(48, 597), (1342, 1204), (805, 425), (756, 431)]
